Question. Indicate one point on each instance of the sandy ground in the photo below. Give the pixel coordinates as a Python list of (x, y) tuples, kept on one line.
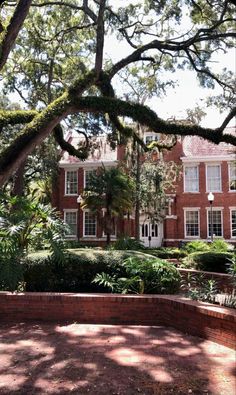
[(40, 358)]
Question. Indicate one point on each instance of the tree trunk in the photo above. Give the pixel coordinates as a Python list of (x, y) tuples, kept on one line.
[(18, 186), (137, 203)]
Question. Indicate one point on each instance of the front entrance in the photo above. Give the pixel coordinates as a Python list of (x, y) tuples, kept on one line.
[(151, 233)]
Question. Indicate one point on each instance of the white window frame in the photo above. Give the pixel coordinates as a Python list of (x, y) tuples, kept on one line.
[(189, 209), (185, 167), (208, 209), (154, 137), (66, 211), (220, 177), (66, 175), (84, 235), (229, 175), (87, 171), (231, 223)]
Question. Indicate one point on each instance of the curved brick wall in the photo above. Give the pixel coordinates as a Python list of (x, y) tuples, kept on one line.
[(201, 319)]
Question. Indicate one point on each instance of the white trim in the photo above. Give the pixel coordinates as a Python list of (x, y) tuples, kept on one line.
[(231, 227), (76, 166), (206, 172), (207, 158), (188, 209), (89, 236), (65, 184), (171, 217), (222, 223), (191, 208)]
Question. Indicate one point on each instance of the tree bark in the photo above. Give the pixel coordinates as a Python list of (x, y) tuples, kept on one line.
[(13, 28), (18, 187)]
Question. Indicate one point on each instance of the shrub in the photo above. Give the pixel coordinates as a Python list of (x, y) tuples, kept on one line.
[(127, 243), (231, 269), (196, 245), (75, 274), (208, 261), (168, 253), (220, 245), (143, 276)]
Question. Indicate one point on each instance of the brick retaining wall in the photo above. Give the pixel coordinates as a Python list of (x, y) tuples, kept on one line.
[(201, 319)]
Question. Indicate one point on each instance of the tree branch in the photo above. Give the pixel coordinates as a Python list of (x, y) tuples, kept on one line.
[(13, 29), (100, 37)]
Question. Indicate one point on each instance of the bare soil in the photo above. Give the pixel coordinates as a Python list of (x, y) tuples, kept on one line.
[(46, 358)]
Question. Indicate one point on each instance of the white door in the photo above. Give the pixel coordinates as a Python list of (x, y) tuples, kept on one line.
[(151, 233)]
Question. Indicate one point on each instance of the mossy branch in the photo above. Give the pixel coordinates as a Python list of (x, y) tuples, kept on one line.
[(16, 117), (147, 117)]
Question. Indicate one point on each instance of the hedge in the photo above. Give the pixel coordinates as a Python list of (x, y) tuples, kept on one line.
[(43, 274), (209, 261)]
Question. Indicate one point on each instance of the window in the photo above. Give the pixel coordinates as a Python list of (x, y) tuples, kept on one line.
[(191, 223), (216, 223), (151, 137), (213, 178), (87, 177), (71, 182), (191, 179), (232, 176), (70, 218), (90, 224), (233, 223)]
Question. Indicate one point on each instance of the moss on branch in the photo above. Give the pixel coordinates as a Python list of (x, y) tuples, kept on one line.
[(16, 117), (147, 117)]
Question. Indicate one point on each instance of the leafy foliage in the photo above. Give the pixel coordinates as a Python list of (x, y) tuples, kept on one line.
[(208, 261), (197, 245), (56, 48), (26, 225), (127, 243), (142, 276), (42, 272), (110, 189)]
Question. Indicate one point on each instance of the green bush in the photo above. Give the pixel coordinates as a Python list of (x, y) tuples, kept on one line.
[(127, 243), (220, 245), (75, 274), (208, 261), (197, 245), (151, 276), (168, 253)]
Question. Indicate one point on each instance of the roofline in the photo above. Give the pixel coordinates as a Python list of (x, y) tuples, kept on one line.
[(106, 163), (208, 158)]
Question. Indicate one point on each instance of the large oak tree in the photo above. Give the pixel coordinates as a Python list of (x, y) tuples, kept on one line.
[(77, 77)]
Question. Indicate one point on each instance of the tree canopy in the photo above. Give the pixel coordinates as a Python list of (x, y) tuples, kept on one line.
[(54, 55)]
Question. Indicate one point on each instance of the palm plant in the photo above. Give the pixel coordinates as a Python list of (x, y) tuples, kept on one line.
[(110, 189), (26, 225)]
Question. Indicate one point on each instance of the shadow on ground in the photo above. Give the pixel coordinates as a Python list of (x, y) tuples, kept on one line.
[(40, 358)]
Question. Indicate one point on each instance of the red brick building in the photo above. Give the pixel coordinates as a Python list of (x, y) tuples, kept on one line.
[(205, 168)]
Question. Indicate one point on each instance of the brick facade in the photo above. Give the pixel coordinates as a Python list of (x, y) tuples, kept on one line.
[(210, 322), (189, 151)]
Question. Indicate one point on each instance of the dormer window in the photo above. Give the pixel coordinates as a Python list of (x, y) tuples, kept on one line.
[(148, 138)]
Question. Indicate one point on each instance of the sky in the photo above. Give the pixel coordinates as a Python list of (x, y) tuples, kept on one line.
[(187, 93)]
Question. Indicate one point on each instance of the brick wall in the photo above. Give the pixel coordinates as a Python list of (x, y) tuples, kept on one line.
[(196, 318)]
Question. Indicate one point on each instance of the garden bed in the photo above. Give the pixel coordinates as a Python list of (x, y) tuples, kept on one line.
[(212, 322)]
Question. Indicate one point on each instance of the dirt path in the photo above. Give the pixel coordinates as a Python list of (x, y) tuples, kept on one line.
[(111, 360)]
